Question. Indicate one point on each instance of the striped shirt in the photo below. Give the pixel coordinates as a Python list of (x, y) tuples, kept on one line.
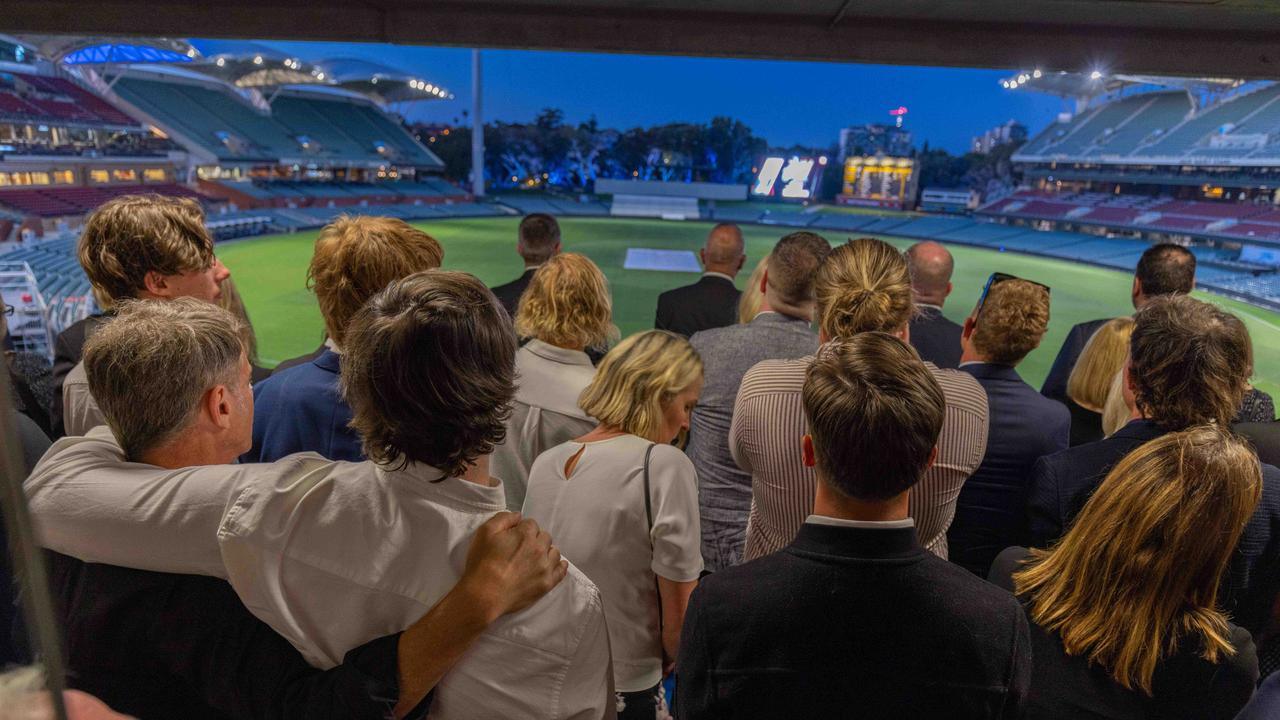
[(768, 422)]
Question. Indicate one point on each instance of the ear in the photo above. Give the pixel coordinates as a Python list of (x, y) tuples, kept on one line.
[(157, 285), (556, 250), (904, 334), (806, 451), (948, 292), (217, 406), (764, 281), (1136, 292), (969, 325), (702, 257), (933, 456), (742, 260)]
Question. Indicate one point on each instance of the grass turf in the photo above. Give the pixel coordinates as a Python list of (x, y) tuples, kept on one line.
[(271, 274)]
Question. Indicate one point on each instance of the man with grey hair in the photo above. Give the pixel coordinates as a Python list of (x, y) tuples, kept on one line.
[(936, 338), (712, 302), (780, 330), (333, 554)]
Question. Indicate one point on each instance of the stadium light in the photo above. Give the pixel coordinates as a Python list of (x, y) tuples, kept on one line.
[(221, 62), (1037, 73), (319, 76), (257, 59), (1095, 75)]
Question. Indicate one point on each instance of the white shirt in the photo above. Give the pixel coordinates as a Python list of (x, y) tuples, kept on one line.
[(331, 555), (80, 412), (864, 524), (544, 414), (597, 518)]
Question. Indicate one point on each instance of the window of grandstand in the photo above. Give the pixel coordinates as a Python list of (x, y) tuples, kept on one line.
[(53, 177), (155, 175), (14, 53), (99, 176), (124, 175)]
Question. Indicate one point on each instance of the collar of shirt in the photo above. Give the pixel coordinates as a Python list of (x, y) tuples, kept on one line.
[(931, 306), (565, 356), (712, 273), (865, 524), (329, 343), (432, 483)]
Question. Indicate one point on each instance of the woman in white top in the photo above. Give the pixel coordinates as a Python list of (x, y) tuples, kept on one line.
[(565, 310), (590, 494)]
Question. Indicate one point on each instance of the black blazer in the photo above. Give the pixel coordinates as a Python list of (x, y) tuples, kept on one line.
[(991, 508), (155, 645), (1055, 384), (509, 294), (67, 351), (936, 338), (1061, 484), (851, 622), (1265, 437), (711, 302)]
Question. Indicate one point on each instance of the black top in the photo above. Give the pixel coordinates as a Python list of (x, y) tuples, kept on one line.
[(31, 379), (1067, 687), (1061, 484), (33, 444), (711, 302), (1265, 437), (1055, 384), (851, 622), (509, 294), (936, 338), (67, 351), (155, 645), (1086, 425)]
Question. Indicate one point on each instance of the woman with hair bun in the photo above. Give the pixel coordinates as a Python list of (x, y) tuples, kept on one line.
[(862, 286)]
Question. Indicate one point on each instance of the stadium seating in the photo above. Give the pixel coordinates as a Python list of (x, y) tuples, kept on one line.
[(59, 201), (654, 206), (26, 97)]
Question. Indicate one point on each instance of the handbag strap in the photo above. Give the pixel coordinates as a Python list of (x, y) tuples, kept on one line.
[(648, 514)]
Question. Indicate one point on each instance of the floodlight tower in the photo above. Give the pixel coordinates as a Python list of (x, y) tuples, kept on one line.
[(899, 114), (477, 127)]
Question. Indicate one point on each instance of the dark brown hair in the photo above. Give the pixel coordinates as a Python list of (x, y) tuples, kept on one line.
[(1189, 362), (793, 264), (429, 371), (539, 236), (1165, 269), (132, 235), (874, 413)]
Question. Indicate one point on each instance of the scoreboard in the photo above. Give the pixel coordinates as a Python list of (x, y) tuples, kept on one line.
[(794, 178), (879, 181)]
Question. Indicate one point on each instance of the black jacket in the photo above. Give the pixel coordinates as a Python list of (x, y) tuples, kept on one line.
[(936, 338), (1061, 484), (852, 622), (509, 294), (1055, 384), (67, 351), (711, 302), (155, 645)]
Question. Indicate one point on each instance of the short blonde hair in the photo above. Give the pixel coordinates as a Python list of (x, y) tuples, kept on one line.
[(1011, 322), (132, 235), (1103, 355), (567, 304), (751, 300), (637, 378), (357, 256), (149, 366), (863, 286)]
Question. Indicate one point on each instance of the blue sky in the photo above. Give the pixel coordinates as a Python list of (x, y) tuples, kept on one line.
[(785, 102)]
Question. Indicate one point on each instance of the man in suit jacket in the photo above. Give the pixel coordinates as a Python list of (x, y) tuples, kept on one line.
[(302, 409), (711, 302), (854, 616), (144, 247), (936, 338), (780, 330), (1188, 365), (1024, 425), (539, 240), (1164, 269)]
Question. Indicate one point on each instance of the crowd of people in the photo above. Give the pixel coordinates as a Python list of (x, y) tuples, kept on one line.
[(814, 497)]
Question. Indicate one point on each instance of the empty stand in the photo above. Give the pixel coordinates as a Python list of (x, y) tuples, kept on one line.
[(60, 201)]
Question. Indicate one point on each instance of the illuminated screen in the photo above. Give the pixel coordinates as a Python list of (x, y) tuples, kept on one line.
[(793, 178), (880, 181)]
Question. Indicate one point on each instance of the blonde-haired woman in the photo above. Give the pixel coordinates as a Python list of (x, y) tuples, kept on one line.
[(861, 286), (1091, 379), (565, 310), (1124, 609), (622, 504), (753, 297)]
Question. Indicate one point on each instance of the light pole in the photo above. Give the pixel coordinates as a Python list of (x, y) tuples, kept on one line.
[(477, 126)]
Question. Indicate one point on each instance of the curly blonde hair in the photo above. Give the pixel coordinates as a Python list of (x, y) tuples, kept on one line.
[(863, 286), (567, 304), (637, 378), (1011, 322)]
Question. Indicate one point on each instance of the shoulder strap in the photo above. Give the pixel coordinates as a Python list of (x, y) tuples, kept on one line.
[(648, 514)]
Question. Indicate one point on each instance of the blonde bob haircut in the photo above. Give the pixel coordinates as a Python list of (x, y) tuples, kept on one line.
[(357, 256), (638, 378), (863, 286), (1137, 574), (751, 300), (1102, 357), (567, 304)]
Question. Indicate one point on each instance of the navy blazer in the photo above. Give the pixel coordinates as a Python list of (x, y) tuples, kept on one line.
[(991, 509), (936, 338), (1055, 384), (1061, 484), (509, 293), (852, 622), (711, 302), (301, 410)]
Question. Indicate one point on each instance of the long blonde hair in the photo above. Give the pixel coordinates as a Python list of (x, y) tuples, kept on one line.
[(751, 300), (1102, 356), (863, 285), (1115, 412), (1138, 572), (639, 376)]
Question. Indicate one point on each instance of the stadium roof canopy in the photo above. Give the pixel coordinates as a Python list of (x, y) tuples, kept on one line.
[(96, 50), (382, 82), (1097, 82), (1223, 38), (247, 64)]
